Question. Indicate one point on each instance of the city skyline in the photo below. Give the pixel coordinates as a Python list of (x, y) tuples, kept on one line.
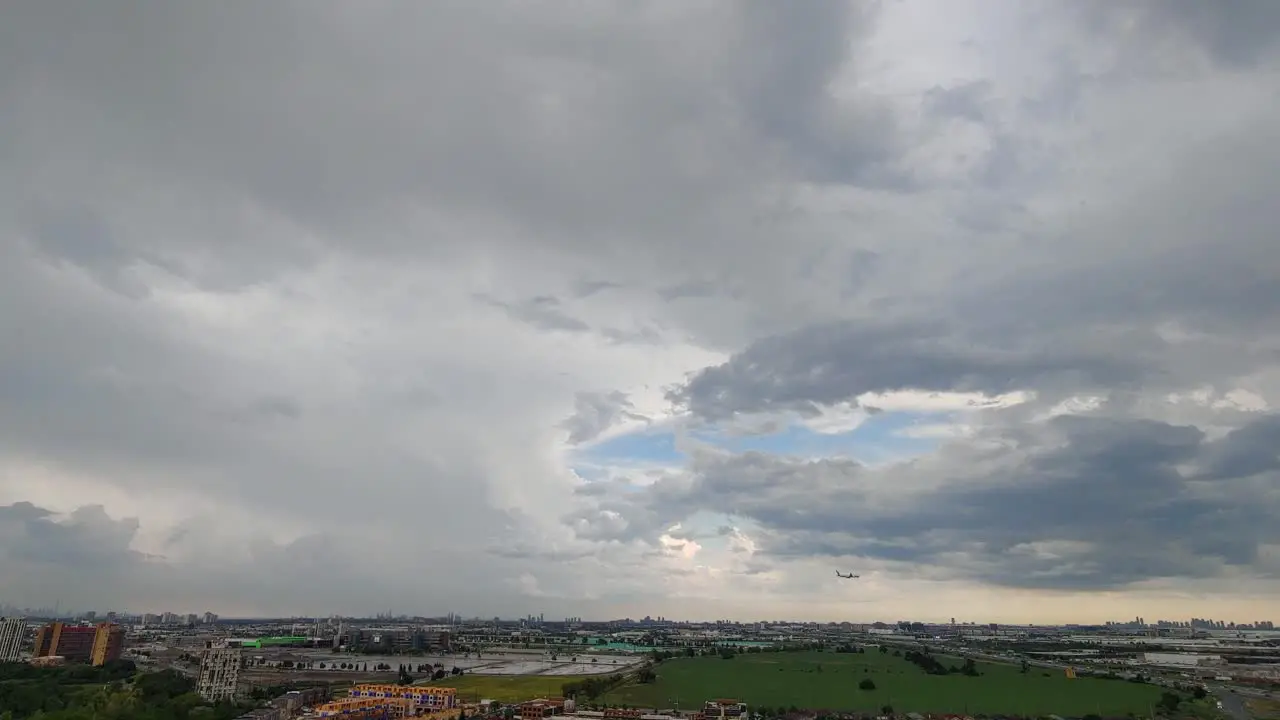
[(209, 617), (642, 308)]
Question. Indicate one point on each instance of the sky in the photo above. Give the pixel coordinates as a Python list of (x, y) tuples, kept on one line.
[(629, 308)]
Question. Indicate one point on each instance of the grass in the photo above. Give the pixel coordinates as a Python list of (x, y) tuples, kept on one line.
[(506, 688), (819, 680), (1263, 709)]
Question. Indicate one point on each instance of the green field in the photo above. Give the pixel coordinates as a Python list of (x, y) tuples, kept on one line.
[(506, 688), (823, 680)]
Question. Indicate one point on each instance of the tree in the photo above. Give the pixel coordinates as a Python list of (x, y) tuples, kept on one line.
[(867, 684), (1169, 702), (886, 710), (1199, 693)]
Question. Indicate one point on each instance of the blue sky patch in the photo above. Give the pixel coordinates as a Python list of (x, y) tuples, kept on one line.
[(878, 439)]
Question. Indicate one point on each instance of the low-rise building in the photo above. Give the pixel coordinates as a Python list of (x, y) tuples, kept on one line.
[(541, 708), (293, 702), (723, 708)]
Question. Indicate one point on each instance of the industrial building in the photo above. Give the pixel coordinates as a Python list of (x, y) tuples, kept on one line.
[(396, 640), (423, 697), (13, 638), (92, 644), (219, 674)]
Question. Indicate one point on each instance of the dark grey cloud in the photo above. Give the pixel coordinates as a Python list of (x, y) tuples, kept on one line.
[(543, 312), (85, 561), (1238, 33), (1078, 503), (965, 102), (1186, 288), (831, 363), (635, 124)]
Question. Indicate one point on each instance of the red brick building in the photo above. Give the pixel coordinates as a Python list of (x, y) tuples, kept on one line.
[(91, 644)]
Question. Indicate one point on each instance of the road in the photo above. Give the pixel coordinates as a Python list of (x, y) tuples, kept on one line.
[(1232, 704)]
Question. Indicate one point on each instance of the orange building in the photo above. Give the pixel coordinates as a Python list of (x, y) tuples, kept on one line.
[(95, 645), (542, 708), (423, 697), (366, 708)]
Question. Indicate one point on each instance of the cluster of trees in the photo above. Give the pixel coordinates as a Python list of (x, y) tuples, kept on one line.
[(931, 665), (62, 694), (69, 674), (592, 687), (848, 648), (1169, 702)]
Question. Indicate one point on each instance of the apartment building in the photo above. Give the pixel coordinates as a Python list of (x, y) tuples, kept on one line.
[(13, 638), (365, 708), (219, 674), (423, 697), (92, 644)]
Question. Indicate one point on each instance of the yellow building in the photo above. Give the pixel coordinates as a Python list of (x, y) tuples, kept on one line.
[(423, 697)]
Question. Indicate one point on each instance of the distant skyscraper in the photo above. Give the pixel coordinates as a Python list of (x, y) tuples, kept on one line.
[(13, 636)]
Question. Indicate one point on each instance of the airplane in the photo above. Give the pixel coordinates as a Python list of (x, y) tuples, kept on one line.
[(850, 576)]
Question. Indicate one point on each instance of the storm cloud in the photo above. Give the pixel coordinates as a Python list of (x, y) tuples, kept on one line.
[(538, 297)]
